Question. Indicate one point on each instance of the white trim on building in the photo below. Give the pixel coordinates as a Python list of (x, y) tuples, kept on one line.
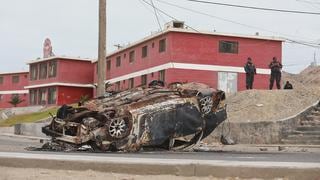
[(59, 57), (13, 73), (15, 92), (173, 65), (60, 84)]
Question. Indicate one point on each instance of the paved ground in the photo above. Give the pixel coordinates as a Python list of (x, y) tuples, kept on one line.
[(268, 153), (263, 161)]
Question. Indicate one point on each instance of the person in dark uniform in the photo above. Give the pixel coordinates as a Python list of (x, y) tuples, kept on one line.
[(288, 85), (275, 67), (250, 70)]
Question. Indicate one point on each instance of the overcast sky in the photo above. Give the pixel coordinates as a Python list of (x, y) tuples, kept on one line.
[(72, 26)]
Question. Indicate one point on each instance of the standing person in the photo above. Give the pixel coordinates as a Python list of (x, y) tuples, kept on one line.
[(275, 67), (250, 70)]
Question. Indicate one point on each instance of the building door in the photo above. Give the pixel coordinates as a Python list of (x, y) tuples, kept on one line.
[(228, 82)]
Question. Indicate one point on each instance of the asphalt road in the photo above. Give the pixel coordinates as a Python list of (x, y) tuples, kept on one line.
[(14, 144)]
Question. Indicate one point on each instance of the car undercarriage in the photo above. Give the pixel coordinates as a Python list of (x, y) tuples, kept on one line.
[(174, 118)]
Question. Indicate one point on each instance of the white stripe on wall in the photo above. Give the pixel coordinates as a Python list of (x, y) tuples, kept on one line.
[(59, 84), (15, 92), (201, 67)]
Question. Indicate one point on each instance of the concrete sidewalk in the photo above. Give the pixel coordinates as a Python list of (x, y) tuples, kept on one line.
[(157, 166), (254, 148), (216, 147)]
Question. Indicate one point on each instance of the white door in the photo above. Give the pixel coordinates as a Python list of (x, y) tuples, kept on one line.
[(228, 82)]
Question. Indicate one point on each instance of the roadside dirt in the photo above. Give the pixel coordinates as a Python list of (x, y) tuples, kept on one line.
[(269, 105), (37, 174)]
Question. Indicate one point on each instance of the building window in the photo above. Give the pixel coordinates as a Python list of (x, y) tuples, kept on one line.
[(144, 51), (1, 97), (108, 65), (33, 97), (162, 75), (131, 83), (15, 79), (33, 72), (42, 96), (117, 86), (228, 47), (43, 71), (162, 45), (1, 79), (124, 55), (52, 69), (118, 63), (144, 80), (52, 95), (152, 45), (132, 56)]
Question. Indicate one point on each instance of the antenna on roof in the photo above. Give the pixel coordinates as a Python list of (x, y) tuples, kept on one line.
[(118, 46)]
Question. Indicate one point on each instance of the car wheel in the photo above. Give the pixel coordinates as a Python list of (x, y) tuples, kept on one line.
[(119, 128), (206, 104)]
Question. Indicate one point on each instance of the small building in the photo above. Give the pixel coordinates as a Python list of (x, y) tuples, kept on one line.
[(178, 54), (12, 84), (59, 80)]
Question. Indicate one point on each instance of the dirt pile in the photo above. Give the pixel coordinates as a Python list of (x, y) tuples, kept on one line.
[(269, 105), (308, 79)]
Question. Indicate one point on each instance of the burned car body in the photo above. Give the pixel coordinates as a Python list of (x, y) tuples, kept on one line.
[(177, 117)]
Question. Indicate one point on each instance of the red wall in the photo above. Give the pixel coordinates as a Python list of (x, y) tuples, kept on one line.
[(204, 49), (154, 58), (80, 72), (7, 85), (68, 71), (7, 97), (181, 75), (69, 95), (261, 81)]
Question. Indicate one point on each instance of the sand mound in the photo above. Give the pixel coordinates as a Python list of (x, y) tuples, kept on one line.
[(269, 105)]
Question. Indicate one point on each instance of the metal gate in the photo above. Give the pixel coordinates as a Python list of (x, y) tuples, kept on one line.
[(228, 82)]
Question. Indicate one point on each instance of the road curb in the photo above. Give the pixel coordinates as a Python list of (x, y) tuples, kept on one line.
[(24, 137), (178, 167)]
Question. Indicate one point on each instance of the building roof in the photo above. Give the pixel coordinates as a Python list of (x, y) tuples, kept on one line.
[(59, 57), (184, 30), (17, 72)]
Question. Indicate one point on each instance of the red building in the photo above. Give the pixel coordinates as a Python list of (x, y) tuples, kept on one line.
[(59, 80), (12, 84), (178, 54)]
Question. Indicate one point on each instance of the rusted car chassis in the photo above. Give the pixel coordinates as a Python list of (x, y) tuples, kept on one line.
[(175, 118)]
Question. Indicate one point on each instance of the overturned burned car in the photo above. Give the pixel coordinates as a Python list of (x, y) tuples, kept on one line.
[(175, 118)]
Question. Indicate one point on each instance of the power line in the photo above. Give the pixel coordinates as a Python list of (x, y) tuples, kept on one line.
[(303, 43), (168, 15), (255, 8), (249, 26), (310, 2), (156, 14), (152, 11)]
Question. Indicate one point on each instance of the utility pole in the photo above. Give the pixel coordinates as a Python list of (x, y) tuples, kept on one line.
[(102, 47), (315, 59)]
